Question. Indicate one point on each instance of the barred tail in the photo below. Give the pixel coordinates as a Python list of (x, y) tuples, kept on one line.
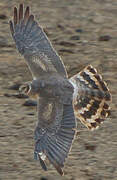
[(91, 97)]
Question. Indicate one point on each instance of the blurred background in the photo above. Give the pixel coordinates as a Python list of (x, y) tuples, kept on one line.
[(83, 32)]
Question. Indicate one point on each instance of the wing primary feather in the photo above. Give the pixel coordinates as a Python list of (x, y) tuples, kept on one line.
[(26, 14), (54, 141), (15, 16), (51, 159), (29, 24), (20, 12), (31, 42), (11, 27), (57, 145), (57, 153), (43, 165)]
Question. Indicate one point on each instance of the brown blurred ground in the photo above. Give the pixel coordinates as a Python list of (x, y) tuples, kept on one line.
[(94, 154)]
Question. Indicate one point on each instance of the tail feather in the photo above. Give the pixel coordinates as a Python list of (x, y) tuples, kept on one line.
[(91, 96)]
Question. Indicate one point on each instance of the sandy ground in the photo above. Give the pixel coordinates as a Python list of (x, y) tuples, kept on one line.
[(74, 28)]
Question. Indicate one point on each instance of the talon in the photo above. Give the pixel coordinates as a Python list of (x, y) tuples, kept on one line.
[(25, 89)]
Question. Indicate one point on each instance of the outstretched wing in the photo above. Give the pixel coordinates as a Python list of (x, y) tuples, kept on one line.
[(91, 97), (54, 133), (33, 44)]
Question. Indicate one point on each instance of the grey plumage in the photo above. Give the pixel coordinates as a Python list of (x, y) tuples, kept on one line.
[(59, 98), (33, 44), (55, 136), (56, 121)]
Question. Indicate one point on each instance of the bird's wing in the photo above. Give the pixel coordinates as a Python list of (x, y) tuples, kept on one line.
[(33, 44), (54, 133), (91, 97)]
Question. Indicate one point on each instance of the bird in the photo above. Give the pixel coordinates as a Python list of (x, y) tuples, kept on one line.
[(61, 101)]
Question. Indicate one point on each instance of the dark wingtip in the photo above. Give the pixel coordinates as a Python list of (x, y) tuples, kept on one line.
[(11, 27), (27, 12), (20, 12), (31, 18), (59, 170), (55, 164), (15, 15), (18, 16)]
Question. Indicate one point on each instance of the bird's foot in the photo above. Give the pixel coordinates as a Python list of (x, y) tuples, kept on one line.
[(25, 88)]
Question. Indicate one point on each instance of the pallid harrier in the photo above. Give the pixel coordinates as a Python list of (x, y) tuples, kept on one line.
[(60, 100)]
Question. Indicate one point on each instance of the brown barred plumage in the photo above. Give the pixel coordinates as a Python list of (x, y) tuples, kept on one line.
[(91, 97)]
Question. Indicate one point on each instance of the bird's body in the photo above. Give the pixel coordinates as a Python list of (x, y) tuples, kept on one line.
[(60, 99), (55, 86)]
